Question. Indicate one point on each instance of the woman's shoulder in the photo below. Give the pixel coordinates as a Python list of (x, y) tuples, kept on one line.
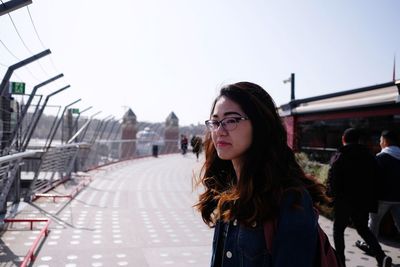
[(296, 195), (297, 204)]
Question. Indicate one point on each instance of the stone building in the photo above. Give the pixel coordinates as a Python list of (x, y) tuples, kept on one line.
[(129, 131), (171, 134)]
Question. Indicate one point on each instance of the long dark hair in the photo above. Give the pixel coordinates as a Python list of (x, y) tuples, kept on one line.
[(269, 167)]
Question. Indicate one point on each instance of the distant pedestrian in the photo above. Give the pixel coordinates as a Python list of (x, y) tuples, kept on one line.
[(184, 144), (351, 182), (251, 178), (197, 144)]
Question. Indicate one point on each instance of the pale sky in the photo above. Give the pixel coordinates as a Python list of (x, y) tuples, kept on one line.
[(158, 56)]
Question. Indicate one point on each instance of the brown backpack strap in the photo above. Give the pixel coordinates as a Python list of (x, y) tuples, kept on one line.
[(269, 232)]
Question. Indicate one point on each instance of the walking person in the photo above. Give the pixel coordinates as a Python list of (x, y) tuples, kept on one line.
[(184, 144), (352, 184), (251, 177), (389, 185), (196, 143), (389, 181)]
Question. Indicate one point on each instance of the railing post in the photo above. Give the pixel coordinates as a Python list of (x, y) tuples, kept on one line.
[(18, 65), (76, 126), (40, 114), (87, 127), (25, 111), (58, 123)]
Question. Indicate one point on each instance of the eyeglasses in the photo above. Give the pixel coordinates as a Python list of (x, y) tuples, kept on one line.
[(228, 124)]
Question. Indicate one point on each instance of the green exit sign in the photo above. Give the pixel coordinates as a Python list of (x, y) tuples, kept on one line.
[(75, 110), (17, 88)]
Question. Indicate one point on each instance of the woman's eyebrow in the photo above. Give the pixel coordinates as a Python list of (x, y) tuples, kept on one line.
[(232, 113), (227, 114)]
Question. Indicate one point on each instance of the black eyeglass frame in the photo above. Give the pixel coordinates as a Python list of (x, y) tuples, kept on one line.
[(210, 126)]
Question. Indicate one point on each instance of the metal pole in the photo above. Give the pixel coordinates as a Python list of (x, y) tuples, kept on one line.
[(40, 114), (23, 113), (292, 81), (116, 133), (87, 127), (77, 118), (18, 65), (105, 126), (59, 121), (34, 114), (98, 129), (12, 5), (53, 126), (112, 129)]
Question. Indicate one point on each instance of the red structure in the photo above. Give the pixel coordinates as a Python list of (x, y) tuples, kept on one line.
[(30, 256), (315, 124)]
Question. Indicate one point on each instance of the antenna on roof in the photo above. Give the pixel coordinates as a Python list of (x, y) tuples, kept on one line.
[(292, 82), (394, 68)]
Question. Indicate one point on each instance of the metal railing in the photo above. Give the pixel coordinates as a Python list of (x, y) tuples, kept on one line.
[(9, 167)]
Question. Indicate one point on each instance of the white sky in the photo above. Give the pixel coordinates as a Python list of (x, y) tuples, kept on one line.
[(158, 56)]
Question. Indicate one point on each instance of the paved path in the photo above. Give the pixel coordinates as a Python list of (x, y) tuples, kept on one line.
[(135, 213)]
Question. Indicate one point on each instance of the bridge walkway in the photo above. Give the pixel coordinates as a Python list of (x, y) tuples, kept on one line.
[(133, 213)]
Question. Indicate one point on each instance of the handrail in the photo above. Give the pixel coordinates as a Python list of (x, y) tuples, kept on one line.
[(71, 195), (18, 156), (13, 220), (30, 256)]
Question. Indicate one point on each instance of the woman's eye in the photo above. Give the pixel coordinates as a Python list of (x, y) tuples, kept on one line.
[(230, 121)]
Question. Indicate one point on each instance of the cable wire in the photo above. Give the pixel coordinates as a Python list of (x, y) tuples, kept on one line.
[(34, 27), (23, 42), (9, 51), (40, 40), (19, 35)]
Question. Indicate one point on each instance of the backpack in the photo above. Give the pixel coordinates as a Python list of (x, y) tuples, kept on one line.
[(326, 255)]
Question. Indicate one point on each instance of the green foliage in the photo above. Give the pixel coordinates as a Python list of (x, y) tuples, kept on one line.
[(316, 169), (320, 172)]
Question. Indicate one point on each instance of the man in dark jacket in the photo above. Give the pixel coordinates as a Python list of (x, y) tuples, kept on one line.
[(351, 183)]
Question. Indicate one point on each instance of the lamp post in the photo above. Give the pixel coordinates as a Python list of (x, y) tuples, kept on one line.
[(291, 80)]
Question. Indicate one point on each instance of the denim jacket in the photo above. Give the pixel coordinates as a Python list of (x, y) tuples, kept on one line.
[(294, 242)]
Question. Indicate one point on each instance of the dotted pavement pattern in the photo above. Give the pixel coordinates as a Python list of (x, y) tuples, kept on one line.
[(134, 213)]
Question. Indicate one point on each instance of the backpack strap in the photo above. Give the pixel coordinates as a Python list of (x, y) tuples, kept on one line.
[(269, 232)]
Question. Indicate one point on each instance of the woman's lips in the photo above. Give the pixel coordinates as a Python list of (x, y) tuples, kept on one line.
[(222, 144)]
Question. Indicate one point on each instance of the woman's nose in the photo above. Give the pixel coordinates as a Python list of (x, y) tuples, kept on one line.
[(221, 130)]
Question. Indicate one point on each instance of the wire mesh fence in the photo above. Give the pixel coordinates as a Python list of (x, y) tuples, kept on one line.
[(65, 145)]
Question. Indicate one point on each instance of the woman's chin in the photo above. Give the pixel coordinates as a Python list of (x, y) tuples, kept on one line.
[(224, 156)]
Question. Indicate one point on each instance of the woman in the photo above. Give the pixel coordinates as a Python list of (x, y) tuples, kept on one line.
[(251, 177)]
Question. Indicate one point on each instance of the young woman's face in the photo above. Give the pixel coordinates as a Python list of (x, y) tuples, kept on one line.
[(231, 144)]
